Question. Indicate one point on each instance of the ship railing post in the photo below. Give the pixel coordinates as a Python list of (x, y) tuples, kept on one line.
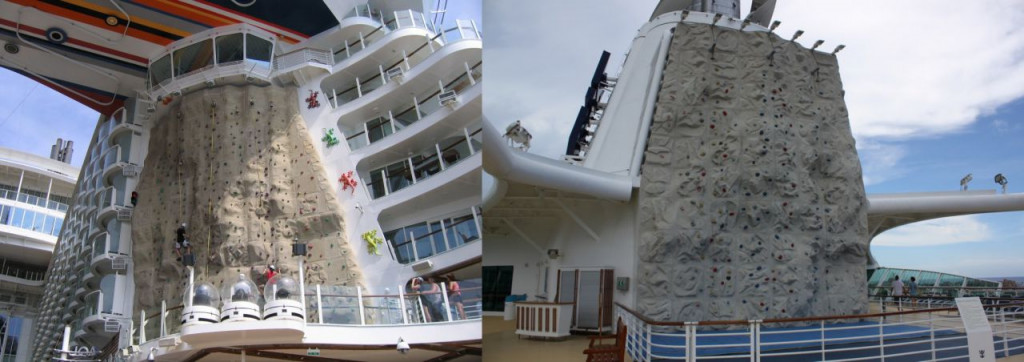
[(401, 304), (440, 160), (366, 133), (391, 117), (142, 327), (412, 171), (416, 104), (444, 294), (476, 30), (359, 88), (319, 305), (362, 314), (362, 41), (469, 73), (383, 79), (469, 142)]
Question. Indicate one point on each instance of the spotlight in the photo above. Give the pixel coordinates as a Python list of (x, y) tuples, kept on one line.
[(797, 34), (152, 355), (838, 48), (716, 19), (746, 23), (817, 44), (685, 14), (775, 24)]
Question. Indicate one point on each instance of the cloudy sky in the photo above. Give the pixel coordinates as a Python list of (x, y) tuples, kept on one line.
[(934, 90)]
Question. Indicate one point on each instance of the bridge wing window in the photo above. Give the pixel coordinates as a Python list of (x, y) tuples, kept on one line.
[(230, 49), (160, 70), (258, 50), (193, 58)]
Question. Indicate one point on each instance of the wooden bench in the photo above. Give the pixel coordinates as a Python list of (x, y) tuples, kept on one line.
[(601, 352)]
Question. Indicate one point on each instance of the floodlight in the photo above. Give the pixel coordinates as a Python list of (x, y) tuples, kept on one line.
[(797, 34), (746, 23), (775, 24), (685, 14), (838, 48), (817, 44), (716, 19)]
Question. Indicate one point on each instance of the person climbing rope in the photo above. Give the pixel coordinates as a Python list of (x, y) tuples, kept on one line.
[(182, 241)]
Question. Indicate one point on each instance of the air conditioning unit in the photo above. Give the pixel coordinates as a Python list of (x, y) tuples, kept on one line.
[(448, 99), (423, 265), (396, 74), (124, 214)]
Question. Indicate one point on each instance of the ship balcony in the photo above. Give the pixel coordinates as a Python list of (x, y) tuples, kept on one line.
[(97, 310), (114, 160), (444, 242), (122, 128), (107, 256), (359, 96), (441, 166), (364, 43), (422, 118), (91, 279), (112, 205)]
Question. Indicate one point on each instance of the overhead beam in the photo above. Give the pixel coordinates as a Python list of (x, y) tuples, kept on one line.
[(525, 237), (577, 219)]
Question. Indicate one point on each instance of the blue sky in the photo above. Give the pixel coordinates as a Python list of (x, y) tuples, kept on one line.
[(933, 89)]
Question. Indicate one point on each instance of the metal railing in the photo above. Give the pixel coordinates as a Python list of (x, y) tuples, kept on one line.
[(928, 334), (302, 57), (398, 175), (364, 85), (33, 200), (422, 105), (343, 305)]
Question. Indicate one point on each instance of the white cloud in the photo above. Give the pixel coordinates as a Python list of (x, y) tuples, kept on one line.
[(880, 161), (950, 230)]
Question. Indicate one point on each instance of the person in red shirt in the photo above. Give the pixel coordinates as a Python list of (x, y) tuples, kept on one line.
[(271, 272)]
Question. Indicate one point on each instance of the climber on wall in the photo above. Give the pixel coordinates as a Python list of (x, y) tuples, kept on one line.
[(135, 198), (182, 241), (271, 272)]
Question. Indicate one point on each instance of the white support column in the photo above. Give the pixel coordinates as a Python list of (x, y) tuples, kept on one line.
[(416, 104), (440, 161), (401, 304), (66, 344), (163, 318), (362, 314), (412, 170), (447, 308), (384, 178), (335, 99), (49, 188), (302, 288), (469, 73), (359, 89), (319, 305), (21, 179), (142, 327), (469, 141), (366, 133)]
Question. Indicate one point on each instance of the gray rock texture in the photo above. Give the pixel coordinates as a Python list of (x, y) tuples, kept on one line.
[(751, 200), (238, 165)]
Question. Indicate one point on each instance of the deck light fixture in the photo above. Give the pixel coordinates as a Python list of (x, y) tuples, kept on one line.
[(746, 23), (685, 14), (817, 44), (797, 34), (775, 24), (716, 19), (403, 346), (152, 355), (838, 48)]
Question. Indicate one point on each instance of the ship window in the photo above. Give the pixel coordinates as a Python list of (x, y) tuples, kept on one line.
[(258, 50), (193, 58), (229, 49), (160, 70)]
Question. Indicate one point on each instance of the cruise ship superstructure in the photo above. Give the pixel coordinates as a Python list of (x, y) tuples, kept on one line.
[(713, 178), (338, 141), (35, 193)]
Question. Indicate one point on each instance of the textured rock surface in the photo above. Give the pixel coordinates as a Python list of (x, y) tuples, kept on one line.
[(751, 201), (236, 164)]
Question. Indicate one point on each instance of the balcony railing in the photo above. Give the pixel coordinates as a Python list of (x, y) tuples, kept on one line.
[(409, 171), (21, 271), (345, 305), (421, 106), (397, 20), (30, 220), (33, 200), (427, 239), (302, 57), (361, 86)]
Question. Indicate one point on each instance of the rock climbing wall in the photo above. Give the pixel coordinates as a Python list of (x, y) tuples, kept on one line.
[(751, 201), (237, 165)]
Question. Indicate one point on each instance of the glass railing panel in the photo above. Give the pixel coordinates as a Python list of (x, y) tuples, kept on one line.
[(356, 140), (340, 305), (425, 167)]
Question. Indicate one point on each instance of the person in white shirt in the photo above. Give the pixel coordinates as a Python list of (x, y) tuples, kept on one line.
[(897, 292)]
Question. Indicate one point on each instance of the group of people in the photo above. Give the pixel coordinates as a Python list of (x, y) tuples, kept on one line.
[(899, 290), (430, 294)]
